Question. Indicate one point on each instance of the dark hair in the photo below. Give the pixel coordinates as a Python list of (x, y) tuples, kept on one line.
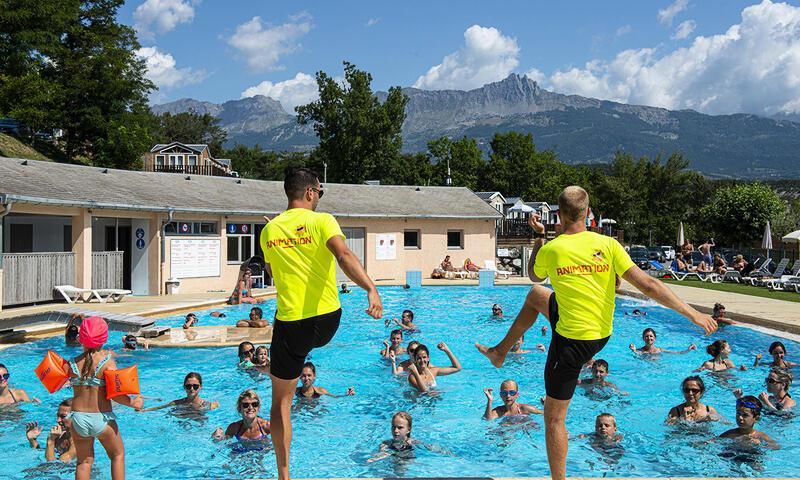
[(648, 329), (775, 345), (190, 315), (410, 313), (3, 367), (311, 366), (412, 350), (600, 363), (297, 180), (715, 348), (421, 348), (67, 402), (395, 332), (258, 311), (753, 400), (717, 307), (406, 286), (244, 344), (193, 375), (71, 334), (694, 378)]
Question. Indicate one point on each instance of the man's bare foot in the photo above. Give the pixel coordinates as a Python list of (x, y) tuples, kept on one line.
[(493, 355)]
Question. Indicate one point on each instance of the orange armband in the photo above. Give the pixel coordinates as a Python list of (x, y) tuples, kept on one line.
[(53, 371), (121, 382)]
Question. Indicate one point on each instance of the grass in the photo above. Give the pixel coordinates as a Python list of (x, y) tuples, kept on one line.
[(12, 147), (739, 288)]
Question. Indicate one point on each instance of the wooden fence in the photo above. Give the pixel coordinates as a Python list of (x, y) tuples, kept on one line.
[(107, 269), (30, 277)]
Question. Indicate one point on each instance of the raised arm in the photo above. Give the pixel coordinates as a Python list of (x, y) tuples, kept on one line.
[(538, 227), (352, 267), (489, 413), (456, 365), (395, 369)]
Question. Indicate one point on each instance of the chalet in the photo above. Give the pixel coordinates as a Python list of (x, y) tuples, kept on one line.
[(187, 158)]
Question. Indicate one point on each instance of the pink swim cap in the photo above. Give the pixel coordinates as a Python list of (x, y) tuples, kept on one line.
[(93, 332)]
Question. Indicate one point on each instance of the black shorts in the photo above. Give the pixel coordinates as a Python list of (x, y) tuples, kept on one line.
[(565, 358), (293, 341)]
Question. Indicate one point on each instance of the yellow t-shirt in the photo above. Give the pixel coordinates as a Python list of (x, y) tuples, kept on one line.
[(582, 268), (294, 245)]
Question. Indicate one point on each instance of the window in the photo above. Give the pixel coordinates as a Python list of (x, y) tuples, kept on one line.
[(411, 240), (191, 228), (173, 160), (240, 242), (21, 238), (455, 239), (192, 160), (160, 160)]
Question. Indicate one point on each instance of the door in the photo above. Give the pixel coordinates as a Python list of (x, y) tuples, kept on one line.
[(355, 241)]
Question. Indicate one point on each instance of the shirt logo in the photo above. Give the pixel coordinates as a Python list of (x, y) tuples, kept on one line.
[(600, 266), (300, 228)]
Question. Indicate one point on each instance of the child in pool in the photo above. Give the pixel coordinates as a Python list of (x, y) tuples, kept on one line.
[(406, 321), (396, 339), (598, 379), (778, 352), (649, 348), (261, 359), (422, 375), (401, 444), (509, 393), (719, 351), (605, 431), (398, 368), (748, 412)]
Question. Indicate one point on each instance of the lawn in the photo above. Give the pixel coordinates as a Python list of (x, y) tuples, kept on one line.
[(739, 288)]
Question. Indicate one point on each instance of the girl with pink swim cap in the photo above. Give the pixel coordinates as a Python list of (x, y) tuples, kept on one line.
[(92, 416)]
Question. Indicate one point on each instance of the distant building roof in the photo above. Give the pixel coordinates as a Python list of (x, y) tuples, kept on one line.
[(50, 183), (197, 147), (553, 206), (512, 200), (223, 161), (538, 205)]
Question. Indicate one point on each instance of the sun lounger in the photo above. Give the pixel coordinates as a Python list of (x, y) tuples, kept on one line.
[(660, 270), (114, 294), (760, 280), (490, 265), (72, 294), (732, 276)]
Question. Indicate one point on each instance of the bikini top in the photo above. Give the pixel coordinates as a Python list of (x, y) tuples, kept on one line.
[(299, 393), (263, 436), (94, 380)]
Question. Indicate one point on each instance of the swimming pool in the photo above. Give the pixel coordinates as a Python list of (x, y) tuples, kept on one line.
[(336, 436)]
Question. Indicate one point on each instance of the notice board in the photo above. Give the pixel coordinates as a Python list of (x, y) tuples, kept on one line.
[(194, 258)]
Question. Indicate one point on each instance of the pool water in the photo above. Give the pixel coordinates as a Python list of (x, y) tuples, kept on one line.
[(335, 437)]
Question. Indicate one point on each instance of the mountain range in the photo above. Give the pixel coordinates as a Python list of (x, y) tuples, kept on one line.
[(580, 130)]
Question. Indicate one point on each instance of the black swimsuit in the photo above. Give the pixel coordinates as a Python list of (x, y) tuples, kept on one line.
[(299, 393)]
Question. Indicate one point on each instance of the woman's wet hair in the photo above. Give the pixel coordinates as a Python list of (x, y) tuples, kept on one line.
[(405, 416), (249, 393), (311, 366), (696, 379), (648, 329), (410, 314), (784, 376), (718, 307), (194, 375), (244, 344), (715, 348), (510, 381), (775, 345)]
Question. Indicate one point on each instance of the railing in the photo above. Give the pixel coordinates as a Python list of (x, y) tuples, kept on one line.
[(30, 277), (210, 170), (516, 228), (107, 268)]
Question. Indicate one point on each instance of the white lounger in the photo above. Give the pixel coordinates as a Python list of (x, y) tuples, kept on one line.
[(113, 294), (72, 294), (490, 265)]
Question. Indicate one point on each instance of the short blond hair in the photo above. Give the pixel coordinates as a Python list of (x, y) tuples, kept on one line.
[(249, 393), (572, 203)]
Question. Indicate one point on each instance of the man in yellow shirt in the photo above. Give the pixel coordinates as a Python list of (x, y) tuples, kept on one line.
[(302, 248), (583, 268)]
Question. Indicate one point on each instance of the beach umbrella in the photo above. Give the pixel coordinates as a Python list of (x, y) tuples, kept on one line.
[(793, 237), (609, 221), (766, 242), (680, 235)]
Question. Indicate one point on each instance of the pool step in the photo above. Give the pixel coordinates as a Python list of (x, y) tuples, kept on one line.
[(43, 323)]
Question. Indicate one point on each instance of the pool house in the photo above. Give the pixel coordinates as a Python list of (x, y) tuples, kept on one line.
[(103, 228)]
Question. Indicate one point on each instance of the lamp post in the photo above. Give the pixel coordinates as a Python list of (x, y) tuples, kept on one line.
[(325, 173), (448, 181)]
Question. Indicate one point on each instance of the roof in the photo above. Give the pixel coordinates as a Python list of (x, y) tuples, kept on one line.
[(554, 207), (223, 161), (49, 183), (512, 200), (488, 196), (197, 147), (537, 205)]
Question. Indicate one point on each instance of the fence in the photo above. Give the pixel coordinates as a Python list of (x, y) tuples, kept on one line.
[(107, 269), (30, 277), (211, 170)]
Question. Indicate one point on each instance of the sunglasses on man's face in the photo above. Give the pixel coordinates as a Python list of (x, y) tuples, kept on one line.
[(246, 405), (62, 415), (319, 191), (192, 386)]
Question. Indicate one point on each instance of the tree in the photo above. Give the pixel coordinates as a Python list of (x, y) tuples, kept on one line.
[(359, 137), (738, 214), (191, 127), (464, 158), (409, 169)]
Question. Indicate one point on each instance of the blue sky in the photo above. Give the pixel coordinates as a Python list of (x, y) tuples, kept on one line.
[(716, 56)]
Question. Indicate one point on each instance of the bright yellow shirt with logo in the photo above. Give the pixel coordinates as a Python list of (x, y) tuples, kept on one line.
[(294, 245), (583, 268)]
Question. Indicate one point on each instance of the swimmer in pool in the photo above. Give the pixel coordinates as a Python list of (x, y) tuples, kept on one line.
[(71, 332), (307, 389), (649, 348), (246, 354), (252, 430), (497, 311), (778, 398), (406, 322), (8, 395), (396, 339), (60, 445), (598, 379), (719, 350), (344, 289), (778, 352), (748, 412), (398, 368), (605, 431), (636, 312), (256, 319), (692, 410), (192, 384), (218, 314), (509, 394), (518, 350), (261, 359), (401, 437), (191, 321), (719, 315), (422, 375)]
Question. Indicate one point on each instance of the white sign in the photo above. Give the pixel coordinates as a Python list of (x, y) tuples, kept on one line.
[(194, 258), (502, 252), (385, 246)]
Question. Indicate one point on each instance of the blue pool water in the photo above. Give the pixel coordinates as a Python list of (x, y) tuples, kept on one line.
[(337, 436)]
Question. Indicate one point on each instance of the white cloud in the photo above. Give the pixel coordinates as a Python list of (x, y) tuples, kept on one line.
[(486, 56), (623, 30), (753, 67), (161, 69), (537, 76), (299, 90), (162, 16), (667, 14), (684, 30), (372, 22), (263, 46)]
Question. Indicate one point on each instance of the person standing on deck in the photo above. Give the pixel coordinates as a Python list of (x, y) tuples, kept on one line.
[(301, 248), (583, 268)]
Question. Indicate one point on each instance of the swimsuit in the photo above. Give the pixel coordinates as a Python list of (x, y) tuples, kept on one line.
[(90, 424), (299, 393), (252, 444)]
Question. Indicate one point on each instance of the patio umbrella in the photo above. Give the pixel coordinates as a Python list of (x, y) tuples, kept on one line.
[(680, 235), (766, 242), (521, 207), (609, 221), (793, 237)]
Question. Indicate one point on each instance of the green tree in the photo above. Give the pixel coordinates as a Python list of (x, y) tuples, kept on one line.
[(191, 127), (359, 137), (737, 214), (464, 158), (409, 169)]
